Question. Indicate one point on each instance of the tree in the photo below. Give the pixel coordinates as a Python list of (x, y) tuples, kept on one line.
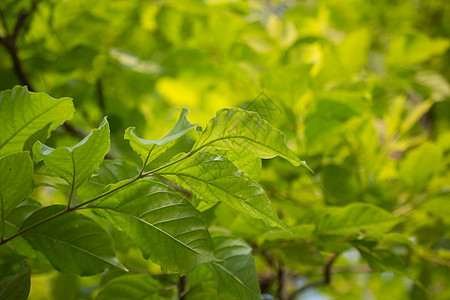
[(330, 166)]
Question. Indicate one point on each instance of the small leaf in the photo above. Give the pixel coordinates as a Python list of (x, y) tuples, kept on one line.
[(132, 287), (76, 164), (167, 228), (71, 242), (16, 180), (150, 149), (24, 114), (239, 129), (16, 287), (237, 275), (213, 178)]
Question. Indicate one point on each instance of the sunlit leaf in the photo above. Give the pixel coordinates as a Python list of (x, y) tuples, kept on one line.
[(239, 129), (16, 180), (24, 113), (167, 228), (150, 149), (213, 178), (76, 164)]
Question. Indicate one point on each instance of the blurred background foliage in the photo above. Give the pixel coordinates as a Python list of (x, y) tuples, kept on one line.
[(360, 88)]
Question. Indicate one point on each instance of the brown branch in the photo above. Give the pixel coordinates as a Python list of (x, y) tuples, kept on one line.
[(326, 277), (182, 288)]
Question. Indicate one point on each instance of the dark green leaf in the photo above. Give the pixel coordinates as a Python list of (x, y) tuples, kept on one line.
[(239, 129), (73, 243), (132, 287)]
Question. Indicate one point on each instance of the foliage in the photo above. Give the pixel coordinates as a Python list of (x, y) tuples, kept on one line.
[(327, 175)]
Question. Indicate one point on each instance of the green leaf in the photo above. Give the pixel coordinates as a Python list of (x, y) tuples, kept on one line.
[(239, 129), (24, 114), (213, 178), (73, 243), (350, 219), (131, 287), (167, 228), (244, 160), (150, 149), (110, 171), (76, 164), (237, 275), (419, 164), (16, 180), (16, 287)]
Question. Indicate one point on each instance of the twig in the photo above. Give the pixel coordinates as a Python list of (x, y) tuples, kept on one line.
[(326, 277), (182, 288)]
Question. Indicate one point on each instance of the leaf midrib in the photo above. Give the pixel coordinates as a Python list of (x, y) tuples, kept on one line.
[(153, 226), (29, 122)]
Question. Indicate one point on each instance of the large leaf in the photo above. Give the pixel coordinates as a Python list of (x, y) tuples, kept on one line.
[(24, 114), (16, 287), (237, 275), (239, 129), (16, 180), (213, 178), (73, 243), (167, 228), (350, 219), (76, 164), (132, 287), (150, 149)]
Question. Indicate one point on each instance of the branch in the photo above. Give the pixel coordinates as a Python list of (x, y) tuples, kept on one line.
[(182, 288), (326, 277)]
